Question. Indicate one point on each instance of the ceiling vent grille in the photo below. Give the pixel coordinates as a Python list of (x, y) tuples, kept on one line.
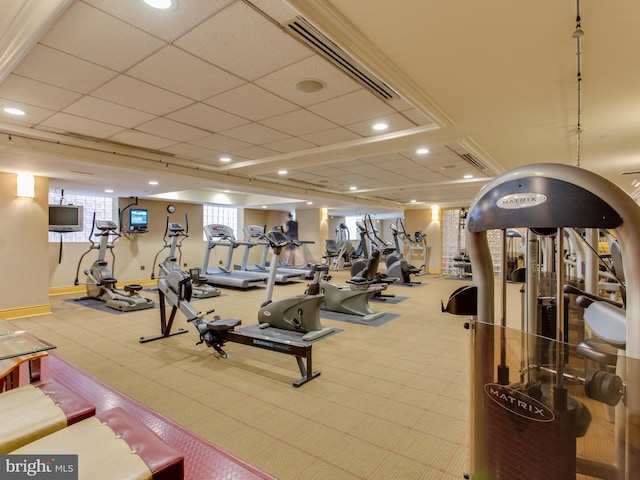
[(304, 31), (473, 161)]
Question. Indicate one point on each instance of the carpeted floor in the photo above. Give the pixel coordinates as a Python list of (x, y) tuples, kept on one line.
[(391, 402)]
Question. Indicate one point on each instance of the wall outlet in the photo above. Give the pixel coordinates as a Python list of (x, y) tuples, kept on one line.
[(185, 265), (219, 262), (141, 267)]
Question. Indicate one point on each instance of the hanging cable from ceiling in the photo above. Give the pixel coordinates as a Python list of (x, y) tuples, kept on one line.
[(578, 33)]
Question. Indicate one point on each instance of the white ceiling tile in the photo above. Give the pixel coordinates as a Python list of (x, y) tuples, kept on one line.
[(386, 158), (165, 25), (352, 108), (36, 93), (331, 136), (243, 42), (418, 118), (140, 139), (399, 104), (395, 121), (107, 112), (252, 102), (279, 11), (180, 132), (57, 68), (184, 74), (298, 122), (283, 82), (87, 33), (79, 125), (289, 145), (255, 152), (208, 118), (255, 134), (133, 93), (220, 143), (188, 150)]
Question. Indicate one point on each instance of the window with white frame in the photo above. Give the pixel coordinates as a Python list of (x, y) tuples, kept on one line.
[(222, 215), (350, 222), (102, 206)]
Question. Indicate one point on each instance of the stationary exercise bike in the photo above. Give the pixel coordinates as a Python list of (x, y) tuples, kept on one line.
[(177, 233), (354, 298), (299, 313), (100, 282)]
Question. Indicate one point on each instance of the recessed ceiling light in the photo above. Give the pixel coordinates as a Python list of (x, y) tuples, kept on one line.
[(161, 4), (413, 201), (468, 176), (353, 188), (447, 167), (422, 151), (108, 190), (14, 111), (264, 206), (380, 126), (282, 172), (227, 191), (225, 159), (310, 85), (153, 182), (309, 203)]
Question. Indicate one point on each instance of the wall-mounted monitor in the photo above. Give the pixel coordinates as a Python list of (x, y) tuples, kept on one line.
[(138, 219), (66, 218)]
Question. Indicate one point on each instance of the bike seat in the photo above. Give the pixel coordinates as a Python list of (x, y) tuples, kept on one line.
[(132, 288), (224, 324)]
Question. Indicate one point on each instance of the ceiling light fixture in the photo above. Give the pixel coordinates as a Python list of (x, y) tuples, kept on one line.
[(578, 34), (413, 201), (468, 176), (264, 206), (225, 159), (352, 188), (282, 172), (153, 182), (310, 85), (108, 190), (380, 126), (161, 4), (14, 111), (309, 203), (422, 151), (227, 191)]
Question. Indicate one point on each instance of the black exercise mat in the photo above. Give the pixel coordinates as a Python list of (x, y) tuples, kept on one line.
[(357, 319), (282, 334), (101, 306)]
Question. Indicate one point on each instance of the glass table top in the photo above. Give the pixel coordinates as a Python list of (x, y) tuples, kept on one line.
[(15, 342)]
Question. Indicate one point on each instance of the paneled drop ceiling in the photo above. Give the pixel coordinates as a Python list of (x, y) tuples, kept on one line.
[(117, 94)]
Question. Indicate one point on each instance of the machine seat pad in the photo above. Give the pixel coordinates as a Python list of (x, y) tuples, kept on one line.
[(597, 350), (132, 288), (224, 324), (32, 411), (111, 445), (109, 281)]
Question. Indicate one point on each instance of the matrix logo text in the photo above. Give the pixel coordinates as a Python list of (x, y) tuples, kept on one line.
[(49, 467)]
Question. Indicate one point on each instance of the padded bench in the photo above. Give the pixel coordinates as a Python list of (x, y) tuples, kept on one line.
[(112, 445), (36, 410)]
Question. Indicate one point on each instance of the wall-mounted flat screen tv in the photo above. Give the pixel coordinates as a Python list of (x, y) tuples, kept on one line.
[(66, 218), (138, 219)]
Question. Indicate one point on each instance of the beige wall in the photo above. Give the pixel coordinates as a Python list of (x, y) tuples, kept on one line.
[(23, 245), (417, 219)]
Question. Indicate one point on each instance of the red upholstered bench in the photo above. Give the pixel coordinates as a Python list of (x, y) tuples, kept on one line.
[(112, 445), (35, 410)]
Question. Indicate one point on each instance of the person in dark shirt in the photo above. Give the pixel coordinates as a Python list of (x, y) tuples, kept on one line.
[(291, 229)]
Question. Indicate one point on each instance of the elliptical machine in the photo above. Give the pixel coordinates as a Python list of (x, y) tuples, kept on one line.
[(177, 233), (354, 298), (397, 266), (299, 313), (100, 282)]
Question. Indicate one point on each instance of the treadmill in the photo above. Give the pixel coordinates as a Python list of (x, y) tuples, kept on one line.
[(252, 236), (221, 235), (306, 272)]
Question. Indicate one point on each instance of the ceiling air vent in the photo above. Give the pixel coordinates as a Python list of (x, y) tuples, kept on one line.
[(470, 159), (304, 31)]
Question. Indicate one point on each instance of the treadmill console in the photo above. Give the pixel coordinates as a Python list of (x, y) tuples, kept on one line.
[(217, 232), (277, 239)]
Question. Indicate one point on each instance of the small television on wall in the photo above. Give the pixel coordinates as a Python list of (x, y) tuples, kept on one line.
[(138, 219), (66, 218)]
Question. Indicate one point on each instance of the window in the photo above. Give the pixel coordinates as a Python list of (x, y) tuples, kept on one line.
[(350, 222), (102, 206), (229, 216)]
